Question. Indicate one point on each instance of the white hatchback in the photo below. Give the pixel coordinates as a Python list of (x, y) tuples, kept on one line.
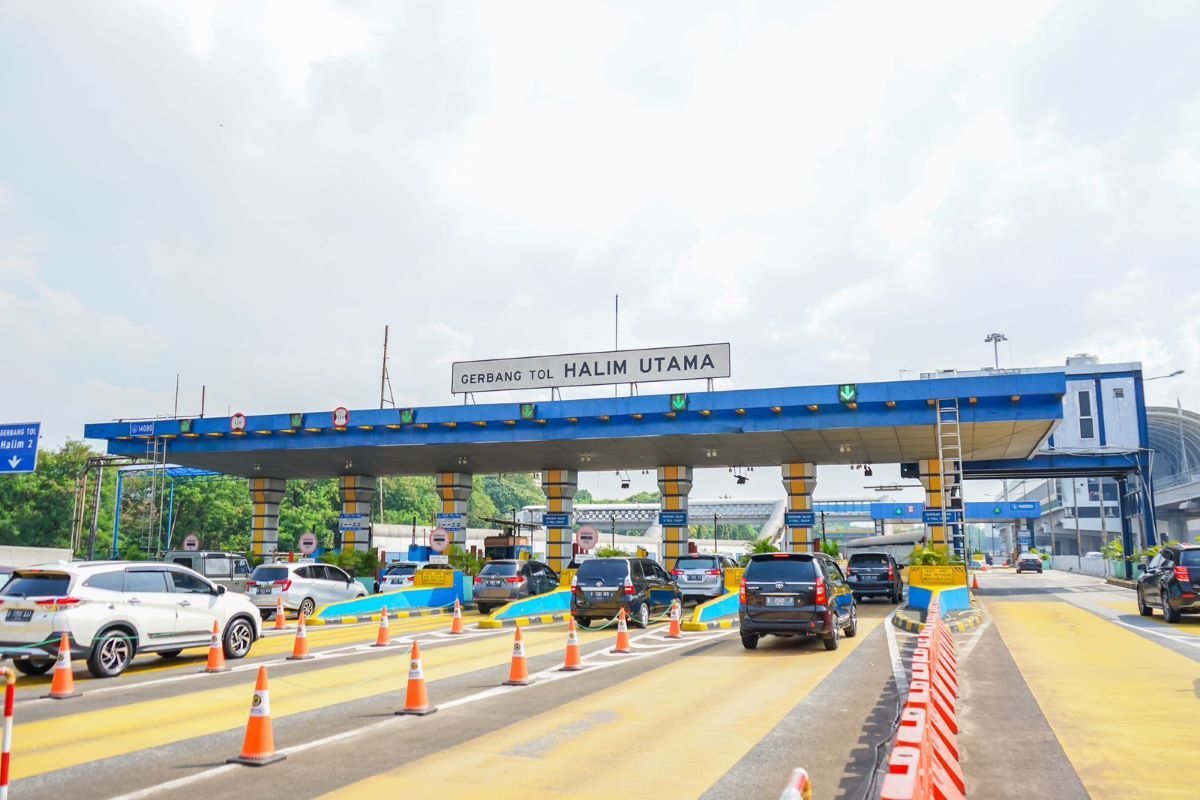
[(114, 610), (303, 586)]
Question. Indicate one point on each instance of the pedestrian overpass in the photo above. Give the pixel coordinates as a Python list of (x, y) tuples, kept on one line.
[(1002, 423)]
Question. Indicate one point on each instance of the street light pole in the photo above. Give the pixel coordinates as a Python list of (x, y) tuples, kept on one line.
[(714, 533), (996, 339), (613, 522)]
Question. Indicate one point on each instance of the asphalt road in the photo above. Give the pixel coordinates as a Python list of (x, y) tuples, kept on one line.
[(1065, 692)]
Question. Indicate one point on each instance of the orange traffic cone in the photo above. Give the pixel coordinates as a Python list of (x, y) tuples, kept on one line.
[(258, 748), (518, 673), (622, 635), (63, 684), (975, 583), (416, 701), (280, 616), (456, 625), (675, 632), (573, 663), (216, 653), (384, 637), (300, 648)]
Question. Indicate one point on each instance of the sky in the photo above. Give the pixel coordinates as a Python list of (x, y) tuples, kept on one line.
[(245, 194)]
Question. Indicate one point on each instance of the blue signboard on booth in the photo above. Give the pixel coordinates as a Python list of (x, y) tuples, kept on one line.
[(799, 519), (19, 446), (933, 516), (980, 512), (353, 522), (897, 511), (141, 429), (673, 519), (555, 519), (456, 521)]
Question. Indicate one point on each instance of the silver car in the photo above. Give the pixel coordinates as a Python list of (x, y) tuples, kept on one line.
[(303, 587), (701, 577)]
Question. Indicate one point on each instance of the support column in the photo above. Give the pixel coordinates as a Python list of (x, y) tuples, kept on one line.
[(454, 491), (559, 486), (799, 481), (357, 493), (265, 493), (675, 483), (930, 473)]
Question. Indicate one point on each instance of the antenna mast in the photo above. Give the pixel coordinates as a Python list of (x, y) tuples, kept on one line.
[(385, 381)]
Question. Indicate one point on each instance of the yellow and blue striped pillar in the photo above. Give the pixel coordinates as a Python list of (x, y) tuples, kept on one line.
[(454, 492), (357, 493), (559, 486), (675, 483), (930, 474), (265, 494), (799, 480)]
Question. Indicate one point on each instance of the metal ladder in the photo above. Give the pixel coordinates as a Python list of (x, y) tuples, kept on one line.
[(156, 454), (950, 456)]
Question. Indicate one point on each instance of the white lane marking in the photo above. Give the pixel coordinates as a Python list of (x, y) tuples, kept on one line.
[(279, 661), (545, 676), (898, 672), (1188, 640), (973, 639)]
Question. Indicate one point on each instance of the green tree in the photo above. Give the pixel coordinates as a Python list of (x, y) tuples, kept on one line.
[(215, 510), (480, 507), (514, 490), (606, 551), (408, 497), (583, 496)]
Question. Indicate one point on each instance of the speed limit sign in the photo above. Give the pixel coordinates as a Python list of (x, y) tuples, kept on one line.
[(439, 540), (587, 537)]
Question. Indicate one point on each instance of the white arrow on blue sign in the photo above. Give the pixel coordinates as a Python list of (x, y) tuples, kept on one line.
[(19, 446)]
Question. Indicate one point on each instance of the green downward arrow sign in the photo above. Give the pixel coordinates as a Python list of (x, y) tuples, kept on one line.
[(848, 393)]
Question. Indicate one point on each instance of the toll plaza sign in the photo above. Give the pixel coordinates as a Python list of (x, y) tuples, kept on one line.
[(691, 362)]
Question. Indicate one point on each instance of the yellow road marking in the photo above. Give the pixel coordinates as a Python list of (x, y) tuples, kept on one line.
[(614, 742), (79, 738), (1113, 698)]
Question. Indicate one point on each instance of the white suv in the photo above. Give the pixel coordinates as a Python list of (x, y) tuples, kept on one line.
[(303, 586), (114, 610)]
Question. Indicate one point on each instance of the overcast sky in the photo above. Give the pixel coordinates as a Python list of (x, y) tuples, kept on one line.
[(245, 193)]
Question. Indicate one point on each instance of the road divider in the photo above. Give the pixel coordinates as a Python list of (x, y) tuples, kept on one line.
[(924, 762), (258, 746), (10, 694), (540, 608)]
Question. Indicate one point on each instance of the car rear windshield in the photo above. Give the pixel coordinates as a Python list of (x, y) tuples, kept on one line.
[(1189, 558), (499, 568), (49, 584), (781, 569), (402, 569), (868, 560), (604, 570), (265, 574), (696, 563)]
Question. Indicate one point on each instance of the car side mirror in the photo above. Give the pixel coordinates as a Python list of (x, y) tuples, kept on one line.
[(220, 590)]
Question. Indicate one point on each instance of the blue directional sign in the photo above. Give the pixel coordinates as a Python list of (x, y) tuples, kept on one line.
[(555, 519), (141, 429), (452, 522), (353, 522), (19, 446), (1002, 510), (933, 516), (799, 519), (673, 519)]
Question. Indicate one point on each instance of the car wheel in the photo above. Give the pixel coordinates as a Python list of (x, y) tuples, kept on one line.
[(266, 615), (239, 635), (750, 640), (111, 654), (584, 622), (832, 641), (642, 618), (168, 653), (852, 628), (1169, 614), (308, 606), (484, 608), (1143, 609), (897, 596), (31, 666)]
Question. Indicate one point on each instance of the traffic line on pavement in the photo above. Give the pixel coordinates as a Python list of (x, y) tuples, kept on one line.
[(745, 695), (1111, 697)]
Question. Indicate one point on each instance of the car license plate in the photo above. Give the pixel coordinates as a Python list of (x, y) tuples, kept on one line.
[(17, 615), (264, 590), (599, 595), (695, 577), (779, 601), (493, 583)]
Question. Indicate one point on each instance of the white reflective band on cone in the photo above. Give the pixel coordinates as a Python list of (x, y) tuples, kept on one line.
[(415, 671), (519, 649), (572, 638), (260, 706)]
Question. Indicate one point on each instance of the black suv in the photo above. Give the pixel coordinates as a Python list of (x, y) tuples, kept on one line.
[(603, 586), (875, 575), (1171, 582), (796, 594)]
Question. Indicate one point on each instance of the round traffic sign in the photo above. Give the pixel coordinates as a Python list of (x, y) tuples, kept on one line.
[(341, 417), (439, 540), (237, 422), (307, 543), (191, 542), (587, 538)]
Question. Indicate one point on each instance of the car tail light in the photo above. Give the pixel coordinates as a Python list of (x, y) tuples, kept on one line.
[(891, 573), (251, 584), (56, 603), (821, 598), (574, 581), (517, 579), (286, 584), (676, 572), (629, 587), (478, 579), (1181, 574), (849, 570), (712, 572), (742, 592)]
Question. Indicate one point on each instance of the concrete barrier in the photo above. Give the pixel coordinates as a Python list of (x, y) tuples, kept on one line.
[(439, 589), (1098, 567), (948, 583), (556, 605)]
